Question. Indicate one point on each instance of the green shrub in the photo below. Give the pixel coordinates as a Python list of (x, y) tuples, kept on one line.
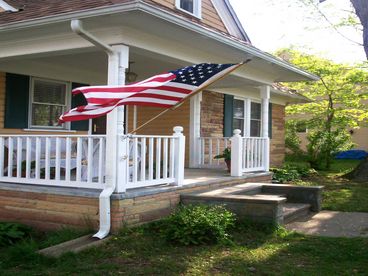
[(11, 232), (200, 224), (290, 173)]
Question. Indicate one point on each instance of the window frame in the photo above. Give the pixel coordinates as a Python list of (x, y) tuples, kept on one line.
[(247, 115), (197, 8), (65, 126)]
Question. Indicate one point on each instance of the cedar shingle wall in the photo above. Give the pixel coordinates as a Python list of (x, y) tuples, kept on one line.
[(278, 135), (209, 13)]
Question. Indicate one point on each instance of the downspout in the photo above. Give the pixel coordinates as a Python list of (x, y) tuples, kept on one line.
[(104, 198)]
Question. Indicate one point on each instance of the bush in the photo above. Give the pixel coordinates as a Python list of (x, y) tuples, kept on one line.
[(11, 232), (200, 224), (290, 173)]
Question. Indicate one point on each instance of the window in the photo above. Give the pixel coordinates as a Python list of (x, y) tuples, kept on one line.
[(239, 115), (48, 101), (190, 6), (255, 119)]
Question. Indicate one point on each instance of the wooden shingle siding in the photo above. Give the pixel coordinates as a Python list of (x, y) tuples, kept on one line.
[(210, 16)]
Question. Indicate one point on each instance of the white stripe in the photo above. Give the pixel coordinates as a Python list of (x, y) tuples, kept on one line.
[(148, 100), (108, 95), (181, 85)]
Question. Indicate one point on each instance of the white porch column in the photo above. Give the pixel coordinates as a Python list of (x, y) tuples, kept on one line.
[(116, 172), (236, 154), (195, 130), (265, 96), (179, 154)]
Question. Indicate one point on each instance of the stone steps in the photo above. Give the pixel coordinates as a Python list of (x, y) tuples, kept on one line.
[(294, 211)]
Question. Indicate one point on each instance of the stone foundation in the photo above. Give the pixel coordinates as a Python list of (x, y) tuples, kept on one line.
[(49, 208)]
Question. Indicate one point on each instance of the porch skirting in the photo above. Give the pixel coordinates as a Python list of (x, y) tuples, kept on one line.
[(48, 208)]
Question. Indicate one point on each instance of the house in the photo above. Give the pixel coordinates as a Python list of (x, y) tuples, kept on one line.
[(91, 172)]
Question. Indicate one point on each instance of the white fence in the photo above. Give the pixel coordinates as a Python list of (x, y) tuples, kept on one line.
[(254, 150), (154, 160), (63, 160), (248, 154), (209, 147), (79, 160)]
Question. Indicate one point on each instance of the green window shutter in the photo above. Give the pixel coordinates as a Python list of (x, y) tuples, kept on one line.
[(270, 120), (79, 100), (228, 115), (16, 101)]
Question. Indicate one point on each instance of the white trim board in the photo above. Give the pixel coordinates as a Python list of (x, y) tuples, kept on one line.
[(6, 7)]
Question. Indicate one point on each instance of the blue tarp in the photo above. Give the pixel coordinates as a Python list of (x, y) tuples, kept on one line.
[(352, 154)]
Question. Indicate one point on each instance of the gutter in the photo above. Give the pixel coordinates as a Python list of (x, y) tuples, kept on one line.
[(104, 198), (138, 5)]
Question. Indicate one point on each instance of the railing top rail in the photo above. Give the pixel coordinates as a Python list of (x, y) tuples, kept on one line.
[(52, 135), (149, 136), (260, 138), (214, 137)]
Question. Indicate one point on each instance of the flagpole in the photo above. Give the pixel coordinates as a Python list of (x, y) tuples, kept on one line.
[(195, 91)]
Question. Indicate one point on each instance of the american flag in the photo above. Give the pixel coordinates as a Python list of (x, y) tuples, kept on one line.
[(164, 90)]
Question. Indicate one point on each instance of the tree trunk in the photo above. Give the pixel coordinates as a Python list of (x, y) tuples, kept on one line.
[(361, 10)]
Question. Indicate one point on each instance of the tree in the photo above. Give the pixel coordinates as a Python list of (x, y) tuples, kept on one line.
[(337, 104), (361, 10)]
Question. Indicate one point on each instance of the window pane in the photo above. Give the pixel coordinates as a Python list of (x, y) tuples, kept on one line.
[(238, 109), (46, 115), (255, 111), (255, 128), (187, 5), (238, 124), (49, 92)]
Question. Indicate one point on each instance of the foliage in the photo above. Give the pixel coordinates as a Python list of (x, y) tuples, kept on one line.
[(226, 154), (337, 104), (292, 140), (11, 233), (290, 172), (198, 225)]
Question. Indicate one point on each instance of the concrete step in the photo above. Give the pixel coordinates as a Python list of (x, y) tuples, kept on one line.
[(74, 246), (293, 211)]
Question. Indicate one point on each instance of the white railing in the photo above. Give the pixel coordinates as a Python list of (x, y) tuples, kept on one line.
[(248, 154), (154, 160), (254, 154), (209, 147), (55, 160)]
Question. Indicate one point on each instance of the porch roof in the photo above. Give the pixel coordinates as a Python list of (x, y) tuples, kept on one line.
[(107, 13)]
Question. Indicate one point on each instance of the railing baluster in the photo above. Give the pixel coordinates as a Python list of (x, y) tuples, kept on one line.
[(47, 159), (1, 157), (101, 160), (165, 157), (203, 153), (150, 159), (143, 159), (57, 159), (78, 172), (135, 159), (158, 158), (90, 159), (28, 157), (19, 157), (10, 157), (218, 150), (38, 157), (172, 158), (67, 159)]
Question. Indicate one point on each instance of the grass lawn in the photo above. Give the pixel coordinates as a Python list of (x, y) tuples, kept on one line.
[(340, 194), (256, 250)]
